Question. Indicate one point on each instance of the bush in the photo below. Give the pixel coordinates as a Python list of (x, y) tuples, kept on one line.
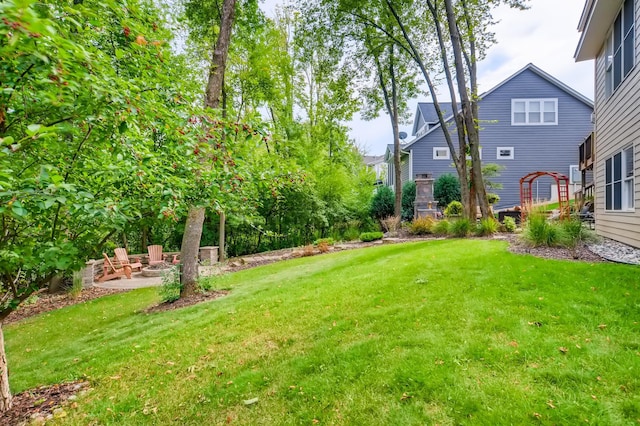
[(441, 227), (390, 224), (408, 200), (492, 198), (539, 231), (422, 225), (446, 189), (327, 241), (370, 236), (382, 204), (454, 208), (509, 224), (487, 226), (460, 228), (171, 286), (573, 234)]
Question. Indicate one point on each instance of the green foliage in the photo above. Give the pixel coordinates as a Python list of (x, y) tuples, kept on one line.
[(487, 226), (460, 227), (170, 289), (538, 231), (327, 241), (408, 200), (573, 233), (382, 204), (422, 225), (371, 236), (441, 227), (454, 208), (509, 224), (493, 198), (446, 189)]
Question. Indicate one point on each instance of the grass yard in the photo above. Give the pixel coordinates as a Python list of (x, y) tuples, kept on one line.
[(441, 332)]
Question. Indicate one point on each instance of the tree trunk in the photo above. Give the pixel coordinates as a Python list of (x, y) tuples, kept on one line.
[(189, 252), (5, 392), (195, 218), (221, 240)]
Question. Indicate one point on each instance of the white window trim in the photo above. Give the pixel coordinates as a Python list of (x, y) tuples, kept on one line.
[(624, 208), (440, 148), (526, 111), (610, 86), (510, 157)]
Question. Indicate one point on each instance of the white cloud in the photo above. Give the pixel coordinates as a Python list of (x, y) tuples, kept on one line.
[(545, 35)]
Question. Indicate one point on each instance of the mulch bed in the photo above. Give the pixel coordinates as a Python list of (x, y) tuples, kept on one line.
[(49, 402), (36, 406)]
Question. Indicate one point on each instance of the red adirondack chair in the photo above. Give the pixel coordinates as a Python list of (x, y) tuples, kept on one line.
[(155, 254), (123, 259), (110, 272)]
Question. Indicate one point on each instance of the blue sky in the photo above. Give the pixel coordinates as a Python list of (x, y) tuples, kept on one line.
[(545, 35)]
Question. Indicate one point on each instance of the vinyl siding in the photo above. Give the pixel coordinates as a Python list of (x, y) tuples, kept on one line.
[(617, 127), (536, 148)]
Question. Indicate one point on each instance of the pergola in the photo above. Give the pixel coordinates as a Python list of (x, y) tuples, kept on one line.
[(562, 182)]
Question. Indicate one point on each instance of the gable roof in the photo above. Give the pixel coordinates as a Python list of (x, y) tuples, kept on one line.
[(391, 149), (428, 112), (544, 75)]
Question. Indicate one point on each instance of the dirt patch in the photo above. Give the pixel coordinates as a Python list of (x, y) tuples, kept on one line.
[(581, 253), (36, 406), (186, 301), (45, 302)]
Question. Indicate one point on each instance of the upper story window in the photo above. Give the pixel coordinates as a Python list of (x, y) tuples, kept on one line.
[(534, 112), (620, 51), (441, 153), (619, 181)]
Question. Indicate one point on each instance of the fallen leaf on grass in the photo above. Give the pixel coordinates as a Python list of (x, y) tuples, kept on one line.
[(250, 401), (405, 396), (550, 404), (602, 326), (563, 349), (537, 415), (315, 421), (513, 344)]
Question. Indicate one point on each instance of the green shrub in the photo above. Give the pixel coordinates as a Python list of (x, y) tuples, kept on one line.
[(382, 203), (573, 234), (327, 241), (487, 226), (170, 289), (454, 208), (422, 225), (408, 200), (509, 224), (441, 227), (492, 198), (351, 234), (446, 189), (460, 227), (371, 236), (538, 231)]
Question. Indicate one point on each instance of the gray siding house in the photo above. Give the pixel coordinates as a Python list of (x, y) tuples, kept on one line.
[(529, 122), (611, 35)]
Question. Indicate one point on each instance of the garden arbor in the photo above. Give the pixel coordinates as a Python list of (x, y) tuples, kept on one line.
[(562, 184)]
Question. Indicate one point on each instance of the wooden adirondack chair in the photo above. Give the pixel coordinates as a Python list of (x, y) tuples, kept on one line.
[(123, 259), (155, 254), (110, 272)]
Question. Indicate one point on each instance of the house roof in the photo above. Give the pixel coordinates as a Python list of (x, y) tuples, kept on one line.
[(371, 160), (391, 149), (595, 22), (428, 112), (532, 68)]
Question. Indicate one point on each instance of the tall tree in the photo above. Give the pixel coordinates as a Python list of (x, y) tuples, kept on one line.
[(215, 84)]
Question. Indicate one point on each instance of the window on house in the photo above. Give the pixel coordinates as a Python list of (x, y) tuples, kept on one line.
[(619, 181), (534, 112), (620, 51), (440, 153), (575, 176), (505, 153)]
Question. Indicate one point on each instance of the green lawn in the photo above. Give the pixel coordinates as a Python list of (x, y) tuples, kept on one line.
[(446, 332)]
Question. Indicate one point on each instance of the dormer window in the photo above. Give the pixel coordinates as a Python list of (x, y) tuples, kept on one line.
[(620, 52), (534, 112)]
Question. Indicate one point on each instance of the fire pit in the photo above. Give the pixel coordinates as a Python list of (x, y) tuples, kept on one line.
[(157, 270)]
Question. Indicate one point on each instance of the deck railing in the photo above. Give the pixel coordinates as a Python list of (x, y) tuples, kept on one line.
[(587, 152)]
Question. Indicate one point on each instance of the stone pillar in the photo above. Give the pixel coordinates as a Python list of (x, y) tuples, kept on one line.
[(424, 204), (88, 273), (209, 255)]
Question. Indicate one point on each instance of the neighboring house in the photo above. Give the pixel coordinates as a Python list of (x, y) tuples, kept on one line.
[(611, 35), (377, 164), (529, 122)]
